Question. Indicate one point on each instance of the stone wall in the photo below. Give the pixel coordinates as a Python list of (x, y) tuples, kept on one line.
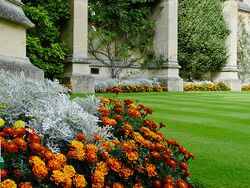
[(13, 25)]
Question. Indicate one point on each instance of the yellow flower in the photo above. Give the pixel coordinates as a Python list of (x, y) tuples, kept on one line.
[(8, 184), (19, 124), (79, 181), (68, 169), (2, 122)]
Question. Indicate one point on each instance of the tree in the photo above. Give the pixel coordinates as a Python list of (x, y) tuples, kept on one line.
[(121, 32), (45, 48), (202, 38), (243, 53)]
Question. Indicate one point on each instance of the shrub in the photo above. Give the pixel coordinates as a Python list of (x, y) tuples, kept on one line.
[(206, 86), (202, 38), (128, 86)]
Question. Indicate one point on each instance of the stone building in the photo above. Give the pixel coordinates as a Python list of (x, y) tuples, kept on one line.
[(13, 25)]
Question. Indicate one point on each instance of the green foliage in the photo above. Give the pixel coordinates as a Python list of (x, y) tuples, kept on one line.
[(44, 45), (243, 53), (202, 36), (120, 32)]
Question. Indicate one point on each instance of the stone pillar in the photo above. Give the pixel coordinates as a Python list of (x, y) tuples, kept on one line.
[(13, 25), (229, 74), (166, 44), (77, 69)]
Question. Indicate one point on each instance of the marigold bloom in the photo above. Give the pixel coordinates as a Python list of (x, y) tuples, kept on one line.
[(181, 184), (61, 158), (103, 110), (118, 185), (151, 170), (48, 155), (79, 181), (148, 110), (119, 110), (11, 147), (3, 174), (127, 172), (108, 121), (19, 124), (97, 137), (34, 138), (133, 113), (171, 163), (127, 127), (183, 165), (78, 154), (25, 185), (8, 184), (138, 185), (2, 122), (132, 156), (103, 167), (114, 164), (69, 170), (105, 100), (91, 153), (21, 143), (40, 171), (159, 147), (54, 164), (155, 155), (76, 144), (128, 101), (82, 137), (58, 177), (118, 117)]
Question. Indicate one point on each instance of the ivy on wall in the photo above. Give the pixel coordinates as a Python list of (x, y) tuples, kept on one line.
[(45, 48), (201, 38), (121, 32)]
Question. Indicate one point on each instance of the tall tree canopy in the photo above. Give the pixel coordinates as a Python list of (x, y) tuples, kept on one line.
[(201, 37), (45, 48)]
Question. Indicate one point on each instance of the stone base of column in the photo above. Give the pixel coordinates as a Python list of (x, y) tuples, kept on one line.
[(230, 77), (77, 72), (20, 65), (82, 83), (169, 77)]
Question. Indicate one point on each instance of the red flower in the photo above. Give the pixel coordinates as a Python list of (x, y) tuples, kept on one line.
[(181, 184), (4, 174), (171, 163)]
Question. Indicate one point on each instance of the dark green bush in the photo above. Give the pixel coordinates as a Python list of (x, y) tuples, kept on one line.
[(45, 48), (202, 37)]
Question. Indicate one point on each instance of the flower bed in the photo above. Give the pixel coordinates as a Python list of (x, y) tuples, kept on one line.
[(54, 142), (245, 87), (206, 86), (128, 86)]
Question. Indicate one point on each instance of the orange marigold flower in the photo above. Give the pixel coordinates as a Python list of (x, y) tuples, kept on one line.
[(155, 155), (118, 117), (119, 110), (168, 185), (108, 121), (127, 127), (82, 137), (103, 167), (138, 185), (183, 165), (3, 174), (118, 185), (78, 154), (114, 164), (67, 182), (54, 164), (91, 148), (48, 155), (181, 184), (21, 143), (69, 170), (151, 170), (171, 163), (118, 105), (105, 100), (159, 147), (76, 144), (133, 106), (149, 144), (24, 185), (79, 181), (148, 110), (97, 137), (128, 101), (138, 137), (103, 110), (8, 184), (127, 172), (36, 147), (40, 171), (61, 158), (171, 141), (133, 113), (58, 177), (34, 138), (132, 156), (168, 179), (11, 147)]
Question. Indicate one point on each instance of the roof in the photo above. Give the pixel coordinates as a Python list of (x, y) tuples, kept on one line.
[(11, 10)]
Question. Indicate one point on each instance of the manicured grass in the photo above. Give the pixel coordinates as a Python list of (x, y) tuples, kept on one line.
[(214, 126)]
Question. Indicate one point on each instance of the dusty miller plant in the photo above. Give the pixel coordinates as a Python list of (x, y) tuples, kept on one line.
[(46, 106)]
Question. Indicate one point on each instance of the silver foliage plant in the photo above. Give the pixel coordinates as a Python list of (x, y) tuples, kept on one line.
[(47, 108)]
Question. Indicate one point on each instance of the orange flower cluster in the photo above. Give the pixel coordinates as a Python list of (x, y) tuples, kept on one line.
[(8, 184), (206, 87), (108, 121), (130, 89), (98, 177), (38, 167), (245, 88)]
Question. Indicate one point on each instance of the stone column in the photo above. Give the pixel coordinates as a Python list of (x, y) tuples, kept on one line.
[(166, 44), (77, 69), (229, 74), (13, 26)]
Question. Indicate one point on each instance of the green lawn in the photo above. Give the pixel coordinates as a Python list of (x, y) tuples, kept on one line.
[(214, 126)]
